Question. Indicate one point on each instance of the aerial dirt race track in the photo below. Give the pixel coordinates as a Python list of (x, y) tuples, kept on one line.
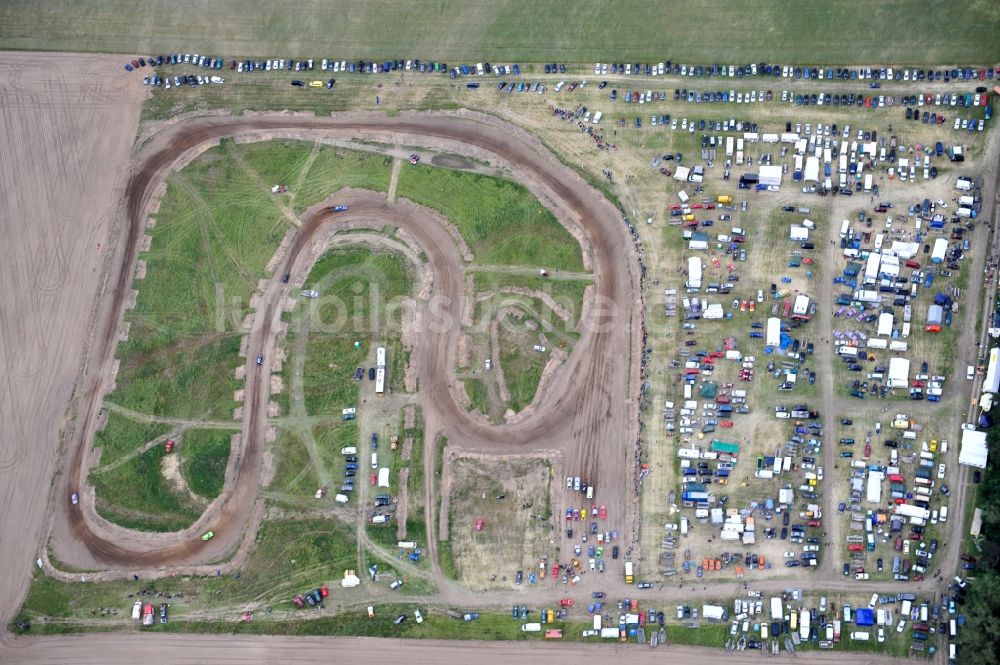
[(129, 649), (588, 412)]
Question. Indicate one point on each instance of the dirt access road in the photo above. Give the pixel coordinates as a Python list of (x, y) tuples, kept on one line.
[(589, 412), (66, 128), (127, 650)]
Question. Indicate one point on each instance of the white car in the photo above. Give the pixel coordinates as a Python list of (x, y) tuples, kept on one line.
[(811, 548), (760, 295), (900, 626), (941, 469), (420, 617), (970, 372), (569, 482), (790, 555), (881, 635)]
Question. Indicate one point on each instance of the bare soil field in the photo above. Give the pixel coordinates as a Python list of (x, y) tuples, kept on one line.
[(511, 496), (66, 129)]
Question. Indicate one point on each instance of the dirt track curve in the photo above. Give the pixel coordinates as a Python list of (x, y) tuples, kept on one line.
[(588, 413)]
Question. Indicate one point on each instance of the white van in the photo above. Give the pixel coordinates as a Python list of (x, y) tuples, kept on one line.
[(340, 498), (943, 516), (380, 519), (350, 450), (860, 636), (374, 460)]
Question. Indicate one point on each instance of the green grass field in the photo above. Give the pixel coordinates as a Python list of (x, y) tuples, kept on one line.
[(478, 400), (215, 231), (522, 367), (313, 171), (806, 31), (294, 473), (121, 435), (289, 557), (204, 455), (500, 220), (359, 296), (135, 494)]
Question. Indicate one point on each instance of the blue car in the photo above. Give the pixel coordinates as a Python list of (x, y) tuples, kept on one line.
[(341, 208)]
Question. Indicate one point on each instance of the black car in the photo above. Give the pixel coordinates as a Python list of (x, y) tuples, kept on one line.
[(330, 84), (400, 619), (614, 552), (298, 84), (163, 612), (371, 373)]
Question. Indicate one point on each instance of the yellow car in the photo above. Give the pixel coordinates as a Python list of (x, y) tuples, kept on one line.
[(315, 84)]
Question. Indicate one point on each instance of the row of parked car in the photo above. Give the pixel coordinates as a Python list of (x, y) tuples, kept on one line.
[(788, 71)]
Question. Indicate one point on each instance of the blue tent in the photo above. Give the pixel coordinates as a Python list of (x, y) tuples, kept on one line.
[(864, 617)]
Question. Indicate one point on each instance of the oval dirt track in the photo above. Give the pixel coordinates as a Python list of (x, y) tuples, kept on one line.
[(588, 411)]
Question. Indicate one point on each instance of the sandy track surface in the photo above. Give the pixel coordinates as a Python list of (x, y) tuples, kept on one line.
[(66, 129)]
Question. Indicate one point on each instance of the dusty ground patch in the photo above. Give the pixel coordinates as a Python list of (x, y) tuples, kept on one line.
[(516, 530)]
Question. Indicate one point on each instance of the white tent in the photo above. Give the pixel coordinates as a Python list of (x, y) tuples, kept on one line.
[(801, 305), (798, 233), (991, 384), (899, 372), (773, 331), (682, 173), (904, 250), (812, 170), (884, 324), (974, 450), (694, 273), (873, 491), (698, 241), (769, 175), (871, 266)]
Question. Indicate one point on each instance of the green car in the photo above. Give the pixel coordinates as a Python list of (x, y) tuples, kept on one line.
[(208, 535)]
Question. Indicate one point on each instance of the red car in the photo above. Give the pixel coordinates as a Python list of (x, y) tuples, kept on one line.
[(555, 570), (855, 547), (480, 523), (169, 446), (604, 512), (566, 602), (374, 479), (323, 591)]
